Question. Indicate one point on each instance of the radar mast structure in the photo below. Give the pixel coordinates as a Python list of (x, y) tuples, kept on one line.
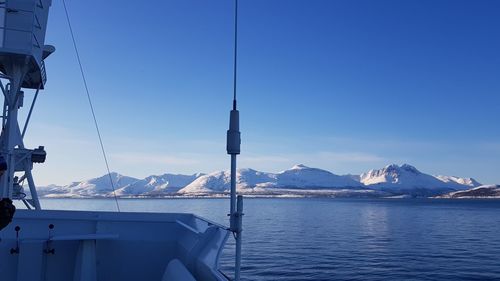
[(23, 24)]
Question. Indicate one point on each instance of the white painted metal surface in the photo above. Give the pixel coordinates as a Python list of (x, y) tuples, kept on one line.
[(23, 24), (176, 271), (108, 246)]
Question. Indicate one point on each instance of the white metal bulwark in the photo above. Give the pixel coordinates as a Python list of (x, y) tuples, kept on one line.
[(110, 246)]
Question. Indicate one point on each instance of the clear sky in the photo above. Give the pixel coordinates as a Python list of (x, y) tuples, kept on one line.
[(342, 85)]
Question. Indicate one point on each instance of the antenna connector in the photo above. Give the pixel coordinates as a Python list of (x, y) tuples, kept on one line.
[(233, 134)]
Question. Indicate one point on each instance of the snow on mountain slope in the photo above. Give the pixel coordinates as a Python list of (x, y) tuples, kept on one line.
[(100, 186), (300, 176), (406, 177), (299, 179), (462, 181), (221, 181), (51, 190), (166, 183)]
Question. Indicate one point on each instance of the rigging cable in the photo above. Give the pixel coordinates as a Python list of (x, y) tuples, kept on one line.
[(91, 106)]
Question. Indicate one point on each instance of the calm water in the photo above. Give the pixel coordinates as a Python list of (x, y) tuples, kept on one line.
[(339, 239)]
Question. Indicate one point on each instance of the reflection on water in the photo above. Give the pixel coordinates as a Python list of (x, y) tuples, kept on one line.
[(374, 236)]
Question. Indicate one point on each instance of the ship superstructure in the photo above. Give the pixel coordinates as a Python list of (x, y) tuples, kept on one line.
[(81, 245)]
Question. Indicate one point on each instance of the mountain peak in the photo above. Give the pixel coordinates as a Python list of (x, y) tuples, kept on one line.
[(458, 180), (396, 169), (410, 168), (299, 167), (114, 176), (408, 177)]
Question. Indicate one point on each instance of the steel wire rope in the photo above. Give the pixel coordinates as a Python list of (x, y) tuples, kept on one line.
[(91, 105)]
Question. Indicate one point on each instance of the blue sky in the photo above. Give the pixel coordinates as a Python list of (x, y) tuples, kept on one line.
[(342, 85)]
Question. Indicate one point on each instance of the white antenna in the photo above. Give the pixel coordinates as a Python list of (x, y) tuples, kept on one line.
[(233, 148), (22, 51)]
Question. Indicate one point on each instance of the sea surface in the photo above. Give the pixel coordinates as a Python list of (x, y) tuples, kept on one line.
[(347, 239)]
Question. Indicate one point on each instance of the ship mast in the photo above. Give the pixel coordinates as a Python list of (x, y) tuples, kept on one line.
[(22, 54)]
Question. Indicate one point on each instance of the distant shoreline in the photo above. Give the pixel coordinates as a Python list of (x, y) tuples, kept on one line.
[(437, 198)]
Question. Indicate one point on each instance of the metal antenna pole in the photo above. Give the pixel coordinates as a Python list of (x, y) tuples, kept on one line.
[(233, 148), (236, 206), (233, 135), (239, 230)]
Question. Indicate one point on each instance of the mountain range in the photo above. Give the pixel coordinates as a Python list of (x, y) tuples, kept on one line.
[(300, 180)]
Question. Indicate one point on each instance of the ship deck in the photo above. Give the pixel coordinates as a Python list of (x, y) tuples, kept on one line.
[(84, 245)]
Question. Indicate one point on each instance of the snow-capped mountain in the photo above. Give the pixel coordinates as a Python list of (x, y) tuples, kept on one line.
[(220, 181), (462, 181), (299, 180), (166, 183), (52, 190), (405, 178), (300, 176), (100, 186), (247, 180)]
